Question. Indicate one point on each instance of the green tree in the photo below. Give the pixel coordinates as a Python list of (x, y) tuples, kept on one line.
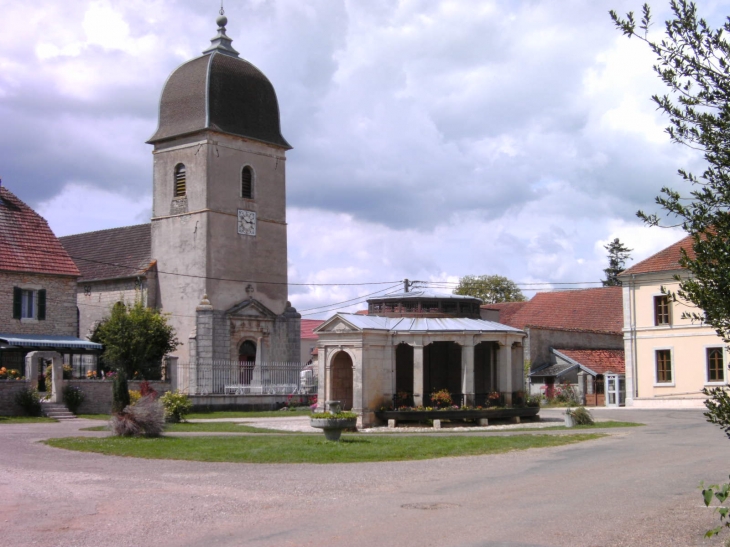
[(490, 288), (618, 254), (135, 339), (693, 62)]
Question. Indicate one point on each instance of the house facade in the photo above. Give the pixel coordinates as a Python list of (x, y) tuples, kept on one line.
[(568, 333), (37, 290), (669, 358)]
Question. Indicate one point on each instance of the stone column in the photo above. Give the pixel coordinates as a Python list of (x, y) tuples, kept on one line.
[(171, 372), (467, 372), (418, 375), (201, 372), (256, 378), (504, 362), (57, 379), (582, 387), (31, 369), (322, 379)]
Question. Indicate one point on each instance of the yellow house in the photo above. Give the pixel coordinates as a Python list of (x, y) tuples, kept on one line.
[(669, 358)]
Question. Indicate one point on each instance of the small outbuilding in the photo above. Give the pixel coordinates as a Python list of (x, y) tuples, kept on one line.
[(413, 344)]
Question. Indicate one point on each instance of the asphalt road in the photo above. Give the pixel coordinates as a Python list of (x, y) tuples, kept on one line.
[(637, 487)]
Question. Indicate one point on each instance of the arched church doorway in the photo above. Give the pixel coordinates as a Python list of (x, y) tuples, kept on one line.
[(246, 361), (341, 374)]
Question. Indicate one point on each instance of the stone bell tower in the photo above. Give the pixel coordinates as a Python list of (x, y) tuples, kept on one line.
[(219, 210)]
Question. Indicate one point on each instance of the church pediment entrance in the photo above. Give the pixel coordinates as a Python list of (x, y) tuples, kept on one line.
[(250, 309)]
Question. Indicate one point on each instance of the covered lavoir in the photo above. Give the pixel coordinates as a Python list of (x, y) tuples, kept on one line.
[(412, 344)]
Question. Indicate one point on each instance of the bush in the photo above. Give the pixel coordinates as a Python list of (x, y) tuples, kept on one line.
[(146, 390), (29, 400), (145, 419), (134, 396), (12, 374), (73, 397), (120, 392), (177, 406), (581, 416)]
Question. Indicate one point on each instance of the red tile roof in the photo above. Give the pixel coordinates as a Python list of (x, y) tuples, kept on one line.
[(663, 261), (601, 361), (111, 254), (598, 310), (308, 325), (27, 243)]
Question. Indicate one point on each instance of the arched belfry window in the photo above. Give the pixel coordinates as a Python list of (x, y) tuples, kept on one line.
[(247, 183), (179, 180)]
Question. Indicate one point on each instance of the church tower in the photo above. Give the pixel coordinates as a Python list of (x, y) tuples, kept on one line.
[(219, 210)]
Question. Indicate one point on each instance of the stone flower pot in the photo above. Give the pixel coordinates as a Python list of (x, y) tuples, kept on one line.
[(333, 427)]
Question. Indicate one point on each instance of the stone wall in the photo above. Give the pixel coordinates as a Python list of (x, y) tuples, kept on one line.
[(202, 403), (98, 394), (95, 299), (60, 304), (8, 389), (539, 341)]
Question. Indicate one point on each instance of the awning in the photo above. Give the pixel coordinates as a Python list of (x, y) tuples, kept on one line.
[(47, 341)]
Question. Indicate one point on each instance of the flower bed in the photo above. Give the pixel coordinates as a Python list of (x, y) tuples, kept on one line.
[(419, 415)]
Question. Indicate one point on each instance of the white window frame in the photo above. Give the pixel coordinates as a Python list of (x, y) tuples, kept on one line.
[(673, 367), (35, 290), (670, 311), (707, 367)]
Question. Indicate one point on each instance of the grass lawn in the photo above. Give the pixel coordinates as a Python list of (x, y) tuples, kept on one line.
[(215, 414), (213, 427), (25, 419), (311, 448)]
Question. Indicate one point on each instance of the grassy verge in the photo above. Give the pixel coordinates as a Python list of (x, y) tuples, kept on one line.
[(25, 419), (213, 427), (94, 416), (216, 414), (311, 448)]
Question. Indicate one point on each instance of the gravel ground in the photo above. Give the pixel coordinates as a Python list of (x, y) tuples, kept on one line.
[(636, 487)]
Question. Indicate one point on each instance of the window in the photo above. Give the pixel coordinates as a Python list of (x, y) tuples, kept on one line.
[(715, 365), (247, 183), (663, 366), (29, 304), (179, 180), (661, 310)]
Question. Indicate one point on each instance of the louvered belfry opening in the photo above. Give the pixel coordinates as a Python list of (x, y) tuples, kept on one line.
[(247, 183), (179, 180)]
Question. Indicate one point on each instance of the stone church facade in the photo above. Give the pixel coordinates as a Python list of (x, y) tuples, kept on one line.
[(214, 255)]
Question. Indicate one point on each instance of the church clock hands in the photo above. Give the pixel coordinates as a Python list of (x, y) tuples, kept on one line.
[(246, 222)]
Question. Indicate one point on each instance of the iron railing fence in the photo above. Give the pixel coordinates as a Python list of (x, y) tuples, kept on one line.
[(245, 378)]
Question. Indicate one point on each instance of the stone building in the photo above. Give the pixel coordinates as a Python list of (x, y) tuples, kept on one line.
[(412, 344), (214, 256), (568, 332), (37, 290)]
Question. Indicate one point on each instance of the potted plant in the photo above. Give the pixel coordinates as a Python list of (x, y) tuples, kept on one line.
[(333, 422)]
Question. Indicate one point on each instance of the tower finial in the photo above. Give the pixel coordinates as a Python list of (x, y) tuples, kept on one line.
[(220, 42)]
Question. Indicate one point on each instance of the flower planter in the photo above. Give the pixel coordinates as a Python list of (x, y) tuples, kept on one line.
[(333, 427), (473, 414)]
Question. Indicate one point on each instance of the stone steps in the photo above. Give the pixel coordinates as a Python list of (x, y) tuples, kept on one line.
[(57, 411)]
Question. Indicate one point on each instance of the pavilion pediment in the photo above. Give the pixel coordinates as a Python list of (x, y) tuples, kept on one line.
[(337, 324)]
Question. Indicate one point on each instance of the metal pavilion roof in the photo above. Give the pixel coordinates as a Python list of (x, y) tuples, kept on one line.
[(47, 341), (423, 293), (421, 324)]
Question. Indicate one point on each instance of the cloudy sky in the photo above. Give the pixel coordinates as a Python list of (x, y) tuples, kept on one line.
[(432, 139)]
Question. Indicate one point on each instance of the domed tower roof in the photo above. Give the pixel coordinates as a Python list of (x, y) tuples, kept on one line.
[(221, 92)]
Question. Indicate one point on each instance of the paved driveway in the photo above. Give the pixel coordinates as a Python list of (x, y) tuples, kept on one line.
[(637, 487)]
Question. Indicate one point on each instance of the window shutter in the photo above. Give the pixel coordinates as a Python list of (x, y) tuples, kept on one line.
[(247, 183), (17, 304), (180, 180), (41, 305)]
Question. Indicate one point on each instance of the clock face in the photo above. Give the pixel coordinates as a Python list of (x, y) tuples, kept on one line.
[(246, 222)]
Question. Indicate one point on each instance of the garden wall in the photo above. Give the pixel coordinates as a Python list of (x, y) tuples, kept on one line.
[(98, 393), (202, 403), (8, 389)]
